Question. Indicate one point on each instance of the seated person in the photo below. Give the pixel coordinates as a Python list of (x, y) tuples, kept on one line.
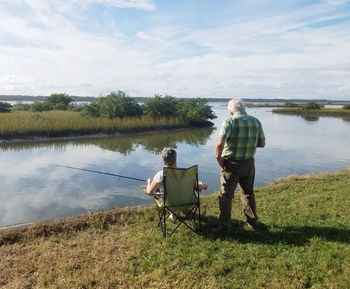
[(169, 159)]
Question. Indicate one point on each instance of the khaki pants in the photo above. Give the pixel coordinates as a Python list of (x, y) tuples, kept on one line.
[(237, 172)]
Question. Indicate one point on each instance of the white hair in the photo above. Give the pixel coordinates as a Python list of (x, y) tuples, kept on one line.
[(235, 104)]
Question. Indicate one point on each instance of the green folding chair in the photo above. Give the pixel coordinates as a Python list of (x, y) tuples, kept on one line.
[(180, 199)]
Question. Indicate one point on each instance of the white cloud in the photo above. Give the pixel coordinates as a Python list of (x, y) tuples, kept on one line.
[(140, 4), (45, 51)]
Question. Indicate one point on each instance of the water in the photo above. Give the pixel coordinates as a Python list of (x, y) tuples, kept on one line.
[(33, 189)]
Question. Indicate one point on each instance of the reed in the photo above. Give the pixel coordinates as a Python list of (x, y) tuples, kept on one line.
[(61, 123), (323, 111)]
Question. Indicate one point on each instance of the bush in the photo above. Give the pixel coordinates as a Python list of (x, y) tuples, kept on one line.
[(194, 109), (76, 107), (114, 105), (39, 106), (290, 104), (160, 106), (22, 106), (346, 106), (5, 107), (187, 109), (312, 105), (58, 101)]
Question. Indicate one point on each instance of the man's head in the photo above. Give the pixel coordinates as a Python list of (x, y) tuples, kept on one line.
[(169, 156), (235, 104)]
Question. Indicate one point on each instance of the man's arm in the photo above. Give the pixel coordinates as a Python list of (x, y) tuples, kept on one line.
[(152, 186), (218, 150)]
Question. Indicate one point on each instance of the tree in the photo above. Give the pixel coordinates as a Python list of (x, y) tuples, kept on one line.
[(290, 104), (114, 105), (346, 106), (5, 107), (160, 106), (194, 110), (312, 105), (59, 101)]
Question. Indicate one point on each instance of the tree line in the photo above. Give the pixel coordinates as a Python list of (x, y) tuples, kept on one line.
[(118, 104)]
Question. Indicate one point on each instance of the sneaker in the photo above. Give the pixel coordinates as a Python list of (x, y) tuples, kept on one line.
[(255, 227)]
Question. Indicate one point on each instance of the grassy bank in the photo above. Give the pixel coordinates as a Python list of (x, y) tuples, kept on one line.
[(23, 124), (315, 112), (306, 245)]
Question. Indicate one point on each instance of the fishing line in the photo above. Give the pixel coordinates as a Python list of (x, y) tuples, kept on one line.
[(102, 173)]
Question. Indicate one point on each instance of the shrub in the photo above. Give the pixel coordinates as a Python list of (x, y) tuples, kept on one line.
[(346, 106), (290, 104), (58, 101), (22, 106), (5, 107), (312, 105), (186, 109), (39, 106), (194, 109), (159, 106), (114, 105)]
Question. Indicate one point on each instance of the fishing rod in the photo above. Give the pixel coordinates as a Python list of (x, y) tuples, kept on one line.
[(102, 173)]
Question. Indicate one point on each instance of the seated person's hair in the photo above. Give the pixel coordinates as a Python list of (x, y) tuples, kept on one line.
[(169, 156)]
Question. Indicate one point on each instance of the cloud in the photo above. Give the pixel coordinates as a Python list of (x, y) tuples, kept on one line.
[(55, 46), (139, 4)]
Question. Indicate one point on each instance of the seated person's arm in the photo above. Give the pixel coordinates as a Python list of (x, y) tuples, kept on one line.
[(152, 186)]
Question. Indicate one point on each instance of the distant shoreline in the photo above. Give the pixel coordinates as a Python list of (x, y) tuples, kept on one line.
[(20, 98), (314, 112)]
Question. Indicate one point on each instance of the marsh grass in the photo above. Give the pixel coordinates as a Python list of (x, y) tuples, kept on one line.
[(63, 123), (306, 245), (323, 111)]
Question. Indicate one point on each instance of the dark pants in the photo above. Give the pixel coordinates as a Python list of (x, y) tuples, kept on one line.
[(237, 172)]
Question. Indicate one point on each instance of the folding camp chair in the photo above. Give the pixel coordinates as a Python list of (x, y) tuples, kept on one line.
[(180, 199)]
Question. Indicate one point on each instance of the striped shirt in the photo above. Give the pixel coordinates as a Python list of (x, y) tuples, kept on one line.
[(241, 133)]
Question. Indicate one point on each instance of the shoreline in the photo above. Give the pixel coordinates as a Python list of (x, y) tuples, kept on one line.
[(81, 217), (37, 138), (321, 112)]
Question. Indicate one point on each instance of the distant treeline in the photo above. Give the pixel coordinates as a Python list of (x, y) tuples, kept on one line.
[(20, 98), (119, 105)]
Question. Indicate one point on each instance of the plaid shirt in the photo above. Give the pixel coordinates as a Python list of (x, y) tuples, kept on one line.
[(241, 133)]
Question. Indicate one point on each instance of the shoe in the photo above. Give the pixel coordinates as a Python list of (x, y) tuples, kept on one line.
[(248, 225), (258, 226)]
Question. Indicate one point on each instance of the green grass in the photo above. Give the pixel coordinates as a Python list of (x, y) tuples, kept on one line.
[(21, 124), (306, 245), (323, 111)]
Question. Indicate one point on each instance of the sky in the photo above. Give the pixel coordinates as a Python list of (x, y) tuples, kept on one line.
[(199, 48)]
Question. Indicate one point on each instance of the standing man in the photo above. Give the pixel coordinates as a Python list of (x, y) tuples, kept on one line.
[(239, 137)]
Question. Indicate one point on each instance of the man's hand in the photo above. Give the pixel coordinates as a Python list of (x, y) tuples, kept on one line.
[(221, 161), (218, 150)]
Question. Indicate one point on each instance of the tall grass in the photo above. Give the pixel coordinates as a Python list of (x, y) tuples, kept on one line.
[(323, 111), (306, 245), (57, 123)]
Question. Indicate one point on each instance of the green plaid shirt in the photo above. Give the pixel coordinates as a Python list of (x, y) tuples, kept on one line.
[(241, 133)]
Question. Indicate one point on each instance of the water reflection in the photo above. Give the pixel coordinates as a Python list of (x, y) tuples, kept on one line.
[(152, 142), (33, 189), (310, 117)]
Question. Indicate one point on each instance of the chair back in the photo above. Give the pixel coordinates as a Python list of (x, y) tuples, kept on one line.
[(180, 186)]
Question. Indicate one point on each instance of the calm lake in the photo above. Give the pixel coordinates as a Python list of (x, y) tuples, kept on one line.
[(33, 189)]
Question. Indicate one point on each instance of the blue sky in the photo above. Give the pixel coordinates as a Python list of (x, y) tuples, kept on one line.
[(183, 48)]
